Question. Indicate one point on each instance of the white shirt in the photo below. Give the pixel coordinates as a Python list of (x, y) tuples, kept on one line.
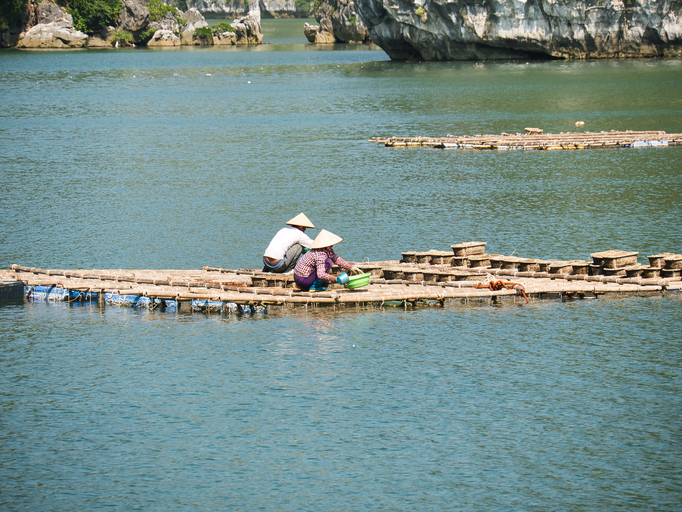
[(284, 239)]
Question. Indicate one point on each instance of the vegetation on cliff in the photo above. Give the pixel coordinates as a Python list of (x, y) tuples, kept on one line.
[(10, 12), (91, 16), (118, 23), (158, 10)]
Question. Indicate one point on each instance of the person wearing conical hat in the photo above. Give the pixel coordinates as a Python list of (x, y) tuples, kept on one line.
[(287, 245), (312, 272)]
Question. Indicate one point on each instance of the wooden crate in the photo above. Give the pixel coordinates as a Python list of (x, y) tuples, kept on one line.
[(468, 249), (614, 259)]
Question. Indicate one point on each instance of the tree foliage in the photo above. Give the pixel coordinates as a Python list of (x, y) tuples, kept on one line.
[(158, 10), (91, 16), (302, 5), (223, 26), (10, 12)]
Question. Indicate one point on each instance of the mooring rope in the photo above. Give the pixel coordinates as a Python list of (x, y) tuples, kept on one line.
[(495, 286)]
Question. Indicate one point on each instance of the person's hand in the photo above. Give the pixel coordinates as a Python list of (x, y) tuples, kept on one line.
[(355, 271)]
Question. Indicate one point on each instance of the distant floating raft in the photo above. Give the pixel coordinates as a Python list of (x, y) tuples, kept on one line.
[(534, 138)]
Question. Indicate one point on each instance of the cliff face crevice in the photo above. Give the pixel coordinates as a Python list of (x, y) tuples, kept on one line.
[(523, 29)]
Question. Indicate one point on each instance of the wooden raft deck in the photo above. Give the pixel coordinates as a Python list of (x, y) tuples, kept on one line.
[(534, 138), (428, 277)]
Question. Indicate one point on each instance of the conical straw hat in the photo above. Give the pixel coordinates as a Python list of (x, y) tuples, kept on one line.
[(325, 239), (301, 220)]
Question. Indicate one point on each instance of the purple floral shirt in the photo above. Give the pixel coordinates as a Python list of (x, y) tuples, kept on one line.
[(316, 259)]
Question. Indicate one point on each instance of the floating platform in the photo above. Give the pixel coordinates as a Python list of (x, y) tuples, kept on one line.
[(535, 139), (433, 277)]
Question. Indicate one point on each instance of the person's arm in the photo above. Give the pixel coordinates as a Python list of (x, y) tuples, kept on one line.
[(320, 260), (348, 267), (341, 262)]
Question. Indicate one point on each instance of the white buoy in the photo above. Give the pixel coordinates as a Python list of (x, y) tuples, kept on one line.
[(579, 123)]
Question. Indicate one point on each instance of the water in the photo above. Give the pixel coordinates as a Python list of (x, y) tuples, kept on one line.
[(196, 156)]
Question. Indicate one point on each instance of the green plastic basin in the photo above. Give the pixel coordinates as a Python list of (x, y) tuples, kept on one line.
[(358, 281)]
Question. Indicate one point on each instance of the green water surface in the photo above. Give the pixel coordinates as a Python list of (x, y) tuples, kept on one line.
[(180, 158)]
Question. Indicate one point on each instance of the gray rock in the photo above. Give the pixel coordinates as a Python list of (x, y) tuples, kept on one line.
[(167, 23), (280, 9), (163, 37), (48, 12), (513, 29), (248, 28), (320, 34), (344, 24), (219, 8), (134, 16), (53, 30), (348, 27), (225, 38), (229, 8), (97, 42), (57, 34), (311, 31), (195, 18)]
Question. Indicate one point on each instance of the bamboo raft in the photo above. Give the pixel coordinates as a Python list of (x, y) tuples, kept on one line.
[(535, 139), (464, 273)]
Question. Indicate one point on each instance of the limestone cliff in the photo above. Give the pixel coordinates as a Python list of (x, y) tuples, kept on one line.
[(268, 8), (47, 25), (52, 27), (338, 23), (513, 29)]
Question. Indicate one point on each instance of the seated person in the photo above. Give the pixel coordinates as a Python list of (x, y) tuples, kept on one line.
[(287, 246), (312, 270)]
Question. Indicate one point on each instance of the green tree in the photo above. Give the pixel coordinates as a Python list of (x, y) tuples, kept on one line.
[(223, 26), (158, 10), (91, 16), (10, 13), (302, 5)]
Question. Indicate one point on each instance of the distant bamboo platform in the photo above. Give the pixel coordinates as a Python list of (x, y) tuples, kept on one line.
[(464, 273), (535, 139)]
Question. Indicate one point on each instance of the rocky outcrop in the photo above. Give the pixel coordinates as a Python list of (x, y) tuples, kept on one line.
[(13, 22), (53, 29), (513, 29), (248, 28), (236, 8), (281, 9), (98, 42), (168, 23), (134, 16), (194, 20), (218, 8), (49, 26), (164, 37), (338, 23), (320, 34), (224, 38)]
